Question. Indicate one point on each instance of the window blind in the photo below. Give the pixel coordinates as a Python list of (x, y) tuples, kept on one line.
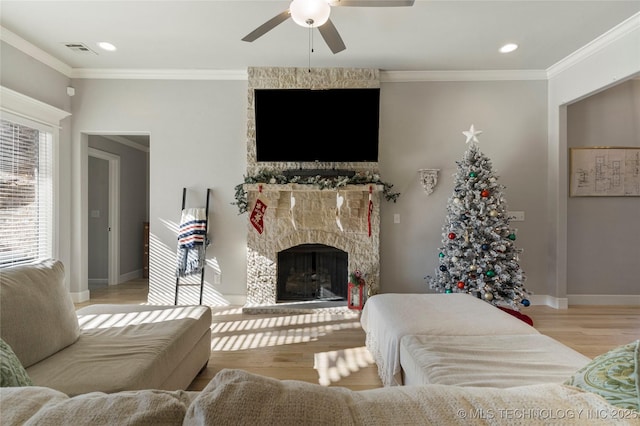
[(26, 194)]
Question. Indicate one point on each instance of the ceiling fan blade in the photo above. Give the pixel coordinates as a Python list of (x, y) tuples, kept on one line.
[(372, 3), (331, 36), (267, 26)]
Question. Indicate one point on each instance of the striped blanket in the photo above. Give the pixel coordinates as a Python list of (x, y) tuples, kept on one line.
[(192, 241)]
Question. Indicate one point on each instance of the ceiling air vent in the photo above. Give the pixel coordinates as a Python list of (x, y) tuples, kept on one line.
[(80, 48)]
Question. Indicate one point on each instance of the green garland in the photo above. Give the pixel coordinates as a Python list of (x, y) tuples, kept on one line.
[(277, 178)]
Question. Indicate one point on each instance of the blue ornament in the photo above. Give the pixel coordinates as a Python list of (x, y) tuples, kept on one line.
[(525, 302), (485, 247), (443, 268)]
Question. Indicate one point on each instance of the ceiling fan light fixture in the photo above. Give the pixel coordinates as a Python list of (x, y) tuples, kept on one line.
[(310, 13)]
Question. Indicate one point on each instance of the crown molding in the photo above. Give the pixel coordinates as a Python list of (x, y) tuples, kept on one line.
[(34, 51), (158, 74), (453, 75), (596, 45)]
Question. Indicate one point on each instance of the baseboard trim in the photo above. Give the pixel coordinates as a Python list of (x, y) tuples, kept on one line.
[(547, 300), (604, 299), (585, 299), (97, 281), (190, 296), (80, 296), (133, 275)]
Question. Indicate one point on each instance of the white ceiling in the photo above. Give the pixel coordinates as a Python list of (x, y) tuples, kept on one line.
[(206, 35)]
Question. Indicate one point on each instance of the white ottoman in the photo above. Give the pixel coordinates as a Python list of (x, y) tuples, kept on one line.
[(500, 361)]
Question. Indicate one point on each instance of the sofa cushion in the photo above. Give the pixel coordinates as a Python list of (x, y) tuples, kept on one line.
[(614, 376), (12, 373), (241, 398), (36, 311), (487, 361), (124, 347), (44, 406)]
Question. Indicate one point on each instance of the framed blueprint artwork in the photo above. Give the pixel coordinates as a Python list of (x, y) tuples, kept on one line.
[(605, 172)]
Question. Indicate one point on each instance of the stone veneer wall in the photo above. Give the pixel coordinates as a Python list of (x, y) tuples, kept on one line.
[(315, 217), (301, 78)]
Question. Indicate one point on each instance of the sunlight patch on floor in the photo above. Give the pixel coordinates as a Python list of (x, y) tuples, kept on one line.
[(238, 337), (335, 365)]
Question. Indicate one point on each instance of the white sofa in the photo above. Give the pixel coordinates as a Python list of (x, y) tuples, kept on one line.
[(106, 348), (235, 397)]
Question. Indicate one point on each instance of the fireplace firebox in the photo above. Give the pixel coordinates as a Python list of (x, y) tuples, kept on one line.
[(312, 272)]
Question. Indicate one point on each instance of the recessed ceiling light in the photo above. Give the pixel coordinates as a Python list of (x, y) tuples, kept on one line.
[(104, 45), (509, 47)]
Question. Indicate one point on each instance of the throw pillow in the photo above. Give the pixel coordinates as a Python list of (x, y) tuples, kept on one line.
[(12, 372), (36, 311), (613, 375)]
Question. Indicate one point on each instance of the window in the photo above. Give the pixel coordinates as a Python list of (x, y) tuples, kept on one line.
[(26, 192), (29, 132)]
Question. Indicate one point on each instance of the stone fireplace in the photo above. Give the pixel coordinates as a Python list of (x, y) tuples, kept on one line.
[(305, 216)]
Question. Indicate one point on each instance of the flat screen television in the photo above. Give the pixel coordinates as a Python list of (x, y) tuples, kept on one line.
[(304, 125)]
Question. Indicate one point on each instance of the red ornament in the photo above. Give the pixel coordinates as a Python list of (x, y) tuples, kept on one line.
[(484, 193), (460, 284), (451, 236)]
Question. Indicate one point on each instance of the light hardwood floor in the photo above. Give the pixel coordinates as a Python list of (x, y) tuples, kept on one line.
[(330, 348)]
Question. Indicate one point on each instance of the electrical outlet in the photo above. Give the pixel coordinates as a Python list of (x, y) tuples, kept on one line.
[(396, 218), (516, 216)]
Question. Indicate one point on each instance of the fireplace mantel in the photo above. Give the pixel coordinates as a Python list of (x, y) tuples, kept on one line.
[(305, 187)]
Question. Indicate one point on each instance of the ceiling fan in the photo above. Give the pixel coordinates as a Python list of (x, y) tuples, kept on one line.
[(315, 13)]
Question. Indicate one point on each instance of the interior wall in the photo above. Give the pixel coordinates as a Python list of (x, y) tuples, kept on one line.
[(198, 134), (603, 232), (421, 127), (98, 239), (604, 63)]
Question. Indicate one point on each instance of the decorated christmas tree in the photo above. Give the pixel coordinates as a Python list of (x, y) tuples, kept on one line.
[(478, 254)]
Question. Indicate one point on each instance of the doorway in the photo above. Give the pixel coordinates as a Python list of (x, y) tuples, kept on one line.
[(118, 207)]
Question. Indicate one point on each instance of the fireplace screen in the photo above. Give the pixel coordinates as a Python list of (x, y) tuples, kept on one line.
[(311, 272)]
